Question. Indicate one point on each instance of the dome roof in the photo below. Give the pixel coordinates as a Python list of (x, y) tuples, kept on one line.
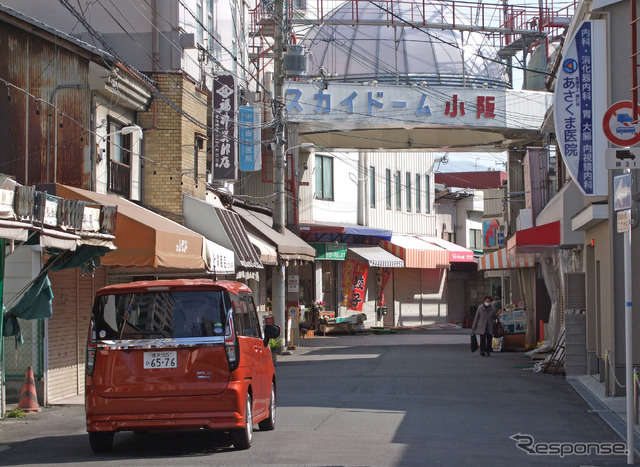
[(401, 52)]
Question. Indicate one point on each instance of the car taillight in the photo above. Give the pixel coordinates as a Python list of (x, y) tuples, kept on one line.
[(231, 345), (91, 351)]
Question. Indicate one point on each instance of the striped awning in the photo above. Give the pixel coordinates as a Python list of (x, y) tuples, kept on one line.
[(375, 256), (416, 253), (457, 253), (499, 260)]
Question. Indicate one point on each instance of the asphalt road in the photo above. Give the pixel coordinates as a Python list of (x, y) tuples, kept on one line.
[(407, 399)]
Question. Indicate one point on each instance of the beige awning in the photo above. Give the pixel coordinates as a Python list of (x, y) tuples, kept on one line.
[(268, 254), (145, 239)]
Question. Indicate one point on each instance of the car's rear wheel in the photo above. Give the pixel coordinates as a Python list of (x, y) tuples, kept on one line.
[(101, 441), (269, 423), (242, 437)]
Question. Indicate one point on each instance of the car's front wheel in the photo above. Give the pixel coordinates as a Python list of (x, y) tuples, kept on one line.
[(101, 441), (242, 437), (269, 423)]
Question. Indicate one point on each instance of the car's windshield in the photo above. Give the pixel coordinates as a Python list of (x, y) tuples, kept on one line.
[(149, 315)]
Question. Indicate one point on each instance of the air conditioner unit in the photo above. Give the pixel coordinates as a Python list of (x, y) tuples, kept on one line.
[(188, 41)]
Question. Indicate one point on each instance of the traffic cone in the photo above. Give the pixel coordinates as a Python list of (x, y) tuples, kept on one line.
[(28, 396)]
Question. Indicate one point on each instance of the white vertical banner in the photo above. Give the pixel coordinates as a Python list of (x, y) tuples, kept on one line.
[(580, 101)]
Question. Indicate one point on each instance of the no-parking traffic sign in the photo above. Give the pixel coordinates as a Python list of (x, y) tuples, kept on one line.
[(618, 124)]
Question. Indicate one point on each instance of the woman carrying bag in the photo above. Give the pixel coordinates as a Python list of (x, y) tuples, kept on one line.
[(483, 324)]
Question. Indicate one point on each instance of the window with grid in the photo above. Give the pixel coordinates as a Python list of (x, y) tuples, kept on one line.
[(427, 191), (267, 167), (372, 186), (387, 180), (398, 191), (408, 191), (324, 177), (475, 239), (200, 18), (418, 193)]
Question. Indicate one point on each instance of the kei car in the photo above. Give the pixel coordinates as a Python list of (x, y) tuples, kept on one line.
[(178, 355)]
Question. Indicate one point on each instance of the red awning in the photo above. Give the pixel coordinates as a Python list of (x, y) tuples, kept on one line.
[(535, 239), (416, 253)]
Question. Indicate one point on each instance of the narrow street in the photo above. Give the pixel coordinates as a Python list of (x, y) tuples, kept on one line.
[(410, 398)]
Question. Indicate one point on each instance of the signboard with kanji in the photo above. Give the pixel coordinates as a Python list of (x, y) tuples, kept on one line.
[(249, 132), (225, 164), (580, 98)]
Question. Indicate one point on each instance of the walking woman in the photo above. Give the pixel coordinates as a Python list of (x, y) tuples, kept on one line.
[(483, 324)]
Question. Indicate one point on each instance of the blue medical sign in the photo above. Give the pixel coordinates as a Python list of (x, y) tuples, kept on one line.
[(249, 124), (577, 103)]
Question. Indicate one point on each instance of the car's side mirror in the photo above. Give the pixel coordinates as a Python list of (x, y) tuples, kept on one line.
[(271, 331)]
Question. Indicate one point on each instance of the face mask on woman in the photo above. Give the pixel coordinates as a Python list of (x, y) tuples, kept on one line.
[(487, 303)]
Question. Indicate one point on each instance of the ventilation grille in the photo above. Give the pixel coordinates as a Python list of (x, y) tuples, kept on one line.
[(574, 290)]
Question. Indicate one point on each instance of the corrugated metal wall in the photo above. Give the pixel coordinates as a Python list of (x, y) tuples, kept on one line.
[(38, 136), (402, 221)]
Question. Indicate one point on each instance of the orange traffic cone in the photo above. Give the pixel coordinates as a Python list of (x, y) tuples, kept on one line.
[(28, 396)]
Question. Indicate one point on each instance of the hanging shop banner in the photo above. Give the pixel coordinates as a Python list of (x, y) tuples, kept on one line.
[(386, 274), (348, 271), (580, 100), (249, 134), (224, 130), (359, 286)]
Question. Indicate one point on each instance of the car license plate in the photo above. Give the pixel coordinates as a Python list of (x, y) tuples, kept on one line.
[(154, 360)]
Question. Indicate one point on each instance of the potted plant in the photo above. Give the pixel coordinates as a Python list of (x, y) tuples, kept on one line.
[(303, 327), (276, 346)]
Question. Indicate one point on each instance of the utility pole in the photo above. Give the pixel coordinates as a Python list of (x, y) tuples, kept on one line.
[(280, 211)]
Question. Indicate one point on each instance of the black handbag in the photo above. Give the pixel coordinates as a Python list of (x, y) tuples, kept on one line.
[(474, 343), (498, 330)]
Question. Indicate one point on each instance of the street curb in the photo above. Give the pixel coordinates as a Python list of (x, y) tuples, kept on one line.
[(609, 416)]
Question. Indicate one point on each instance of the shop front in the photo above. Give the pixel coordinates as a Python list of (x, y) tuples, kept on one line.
[(531, 303), (290, 260), (351, 272), (148, 246), (420, 288)]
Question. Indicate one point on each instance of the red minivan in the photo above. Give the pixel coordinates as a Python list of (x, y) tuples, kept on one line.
[(178, 355)]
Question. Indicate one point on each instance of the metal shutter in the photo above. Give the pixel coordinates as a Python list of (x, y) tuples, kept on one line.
[(67, 330)]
